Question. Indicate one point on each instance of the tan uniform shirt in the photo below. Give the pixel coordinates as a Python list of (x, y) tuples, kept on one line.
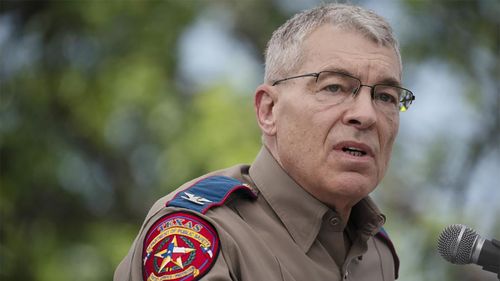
[(284, 234)]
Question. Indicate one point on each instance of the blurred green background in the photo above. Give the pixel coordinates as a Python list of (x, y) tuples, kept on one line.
[(108, 105)]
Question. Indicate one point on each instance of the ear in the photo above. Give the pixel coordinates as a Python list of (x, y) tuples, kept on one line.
[(264, 104)]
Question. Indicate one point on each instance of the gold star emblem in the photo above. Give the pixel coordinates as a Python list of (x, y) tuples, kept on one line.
[(168, 254)]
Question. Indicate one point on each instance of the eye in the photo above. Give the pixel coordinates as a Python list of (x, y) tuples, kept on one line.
[(386, 94), (334, 88), (385, 98), (339, 88)]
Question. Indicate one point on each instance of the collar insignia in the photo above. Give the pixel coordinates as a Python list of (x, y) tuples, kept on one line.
[(195, 199), (209, 192)]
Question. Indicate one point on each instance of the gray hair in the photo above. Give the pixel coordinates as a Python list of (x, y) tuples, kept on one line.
[(284, 49)]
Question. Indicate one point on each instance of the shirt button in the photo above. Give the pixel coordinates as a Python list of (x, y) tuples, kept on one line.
[(334, 221)]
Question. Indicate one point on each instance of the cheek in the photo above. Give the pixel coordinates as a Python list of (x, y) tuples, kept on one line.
[(295, 117), (389, 128), (290, 124), (393, 131), (388, 141)]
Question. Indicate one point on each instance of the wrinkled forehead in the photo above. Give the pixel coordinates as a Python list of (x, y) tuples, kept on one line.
[(333, 47), (327, 39)]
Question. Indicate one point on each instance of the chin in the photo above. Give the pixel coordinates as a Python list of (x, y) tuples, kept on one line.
[(353, 186)]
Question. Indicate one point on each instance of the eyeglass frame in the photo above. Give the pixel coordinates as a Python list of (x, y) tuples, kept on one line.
[(404, 103)]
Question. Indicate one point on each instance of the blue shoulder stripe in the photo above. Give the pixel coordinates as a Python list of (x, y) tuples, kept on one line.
[(384, 236), (208, 193)]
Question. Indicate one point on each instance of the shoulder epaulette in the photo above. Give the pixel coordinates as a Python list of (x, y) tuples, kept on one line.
[(384, 237), (209, 192)]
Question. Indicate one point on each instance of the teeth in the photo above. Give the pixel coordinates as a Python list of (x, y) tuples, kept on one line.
[(353, 151)]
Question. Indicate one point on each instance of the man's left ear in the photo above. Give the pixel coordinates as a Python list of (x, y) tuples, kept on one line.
[(264, 104)]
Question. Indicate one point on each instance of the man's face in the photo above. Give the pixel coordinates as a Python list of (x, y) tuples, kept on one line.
[(313, 139)]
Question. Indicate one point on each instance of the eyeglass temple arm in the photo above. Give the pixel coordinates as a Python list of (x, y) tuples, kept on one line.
[(293, 77)]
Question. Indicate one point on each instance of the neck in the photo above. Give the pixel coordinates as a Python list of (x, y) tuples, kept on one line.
[(343, 211), (342, 206)]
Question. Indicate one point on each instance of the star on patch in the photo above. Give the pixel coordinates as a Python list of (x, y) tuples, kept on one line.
[(168, 254), (195, 199)]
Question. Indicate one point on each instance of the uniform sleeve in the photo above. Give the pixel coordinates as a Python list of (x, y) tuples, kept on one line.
[(175, 245), (219, 271), (178, 241)]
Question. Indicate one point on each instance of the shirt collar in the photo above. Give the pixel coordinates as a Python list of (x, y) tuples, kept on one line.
[(366, 217), (300, 212)]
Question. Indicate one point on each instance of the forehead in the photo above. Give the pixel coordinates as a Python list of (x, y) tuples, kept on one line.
[(329, 47)]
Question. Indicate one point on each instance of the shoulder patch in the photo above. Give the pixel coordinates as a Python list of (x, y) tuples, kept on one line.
[(382, 235), (179, 246), (208, 193)]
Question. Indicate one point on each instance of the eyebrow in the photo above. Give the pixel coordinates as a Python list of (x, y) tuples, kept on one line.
[(385, 81), (390, 82), (339, 70)]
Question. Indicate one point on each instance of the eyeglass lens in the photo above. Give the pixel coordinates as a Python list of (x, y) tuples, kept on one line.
[(335, 88)]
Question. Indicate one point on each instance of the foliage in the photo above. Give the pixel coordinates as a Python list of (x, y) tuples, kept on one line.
[(97, 122)]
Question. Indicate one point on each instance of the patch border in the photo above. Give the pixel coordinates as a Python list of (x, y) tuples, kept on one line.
[(193, 217)]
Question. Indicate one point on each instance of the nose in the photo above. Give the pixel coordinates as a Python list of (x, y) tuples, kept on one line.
[(361, 112)]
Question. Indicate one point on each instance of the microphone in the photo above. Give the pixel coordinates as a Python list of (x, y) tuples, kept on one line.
[(460, 244)]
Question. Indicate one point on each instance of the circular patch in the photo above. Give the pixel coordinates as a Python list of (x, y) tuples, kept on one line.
[(179, 246)]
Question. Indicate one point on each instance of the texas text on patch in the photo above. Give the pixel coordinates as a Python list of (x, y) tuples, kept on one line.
[(179, 246)]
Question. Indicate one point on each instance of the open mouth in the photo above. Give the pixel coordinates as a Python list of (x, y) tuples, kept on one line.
[(353, 151)]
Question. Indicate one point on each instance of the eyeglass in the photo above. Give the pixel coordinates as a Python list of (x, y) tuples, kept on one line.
[(335, 87)]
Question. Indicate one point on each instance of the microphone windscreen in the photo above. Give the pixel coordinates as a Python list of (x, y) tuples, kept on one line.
[(456, 243)]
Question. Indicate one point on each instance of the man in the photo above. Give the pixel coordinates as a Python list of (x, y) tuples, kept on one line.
[(329, 114)]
